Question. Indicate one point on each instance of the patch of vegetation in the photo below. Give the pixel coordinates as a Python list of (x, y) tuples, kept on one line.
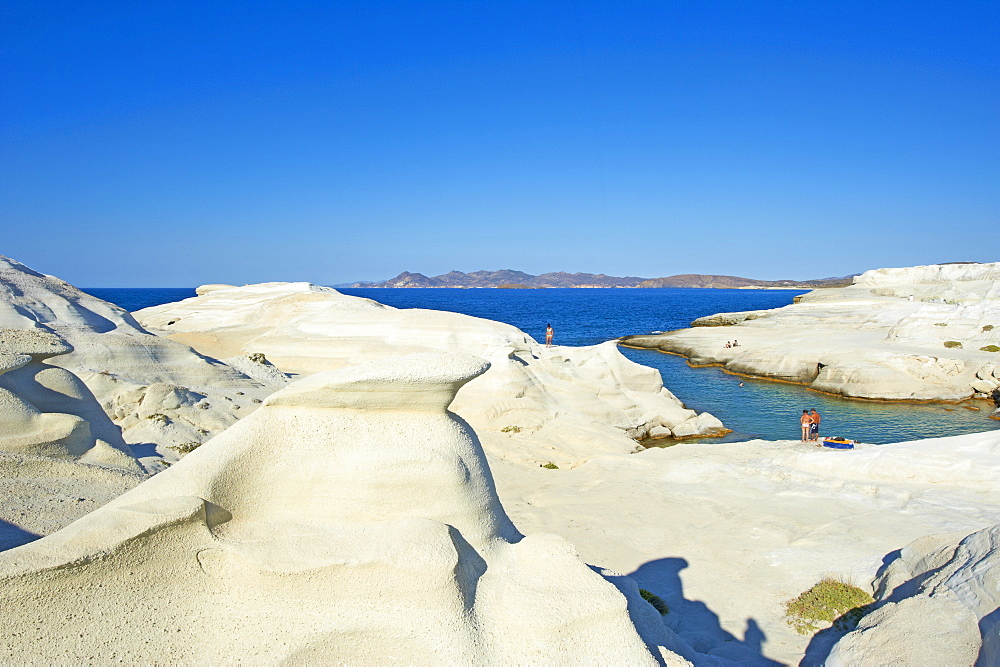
[(257, 358), (511, 429), (203, 405), (159, 418), (990, 348), (829, 601), (655, 600), (550, 466), (185, 447), (987, 327), (952, 343), (940, 324)]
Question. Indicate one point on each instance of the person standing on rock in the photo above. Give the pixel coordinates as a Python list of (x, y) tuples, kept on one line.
[(814, 426), (805, 421), (548, 335)]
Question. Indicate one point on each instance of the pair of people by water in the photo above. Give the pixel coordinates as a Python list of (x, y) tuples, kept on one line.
[(809, 421)]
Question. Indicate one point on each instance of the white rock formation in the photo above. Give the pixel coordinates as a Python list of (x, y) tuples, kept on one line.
[(60, 455), (535, 404), (894, 334), (130, 370), (727, 533), (352, 519), (47, 411), (939, 599)]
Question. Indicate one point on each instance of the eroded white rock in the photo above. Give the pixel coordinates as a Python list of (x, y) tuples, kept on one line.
[(534, 405), (908, 333), (727, 533), (47, 411), (350, 519), (120, 362), (938, 598)]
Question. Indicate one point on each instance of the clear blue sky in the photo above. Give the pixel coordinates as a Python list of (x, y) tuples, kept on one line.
[(178, 143)]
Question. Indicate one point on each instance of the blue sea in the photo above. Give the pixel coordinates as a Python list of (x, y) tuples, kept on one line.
[(759, 409)]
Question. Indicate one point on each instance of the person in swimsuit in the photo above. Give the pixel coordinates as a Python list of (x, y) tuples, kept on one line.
[(805, 421), (814, 427), (548, 335)]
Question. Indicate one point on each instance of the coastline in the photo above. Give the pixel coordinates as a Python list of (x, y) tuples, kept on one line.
[(804, 385)]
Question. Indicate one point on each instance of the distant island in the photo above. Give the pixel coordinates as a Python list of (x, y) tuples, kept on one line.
[(509, 279)]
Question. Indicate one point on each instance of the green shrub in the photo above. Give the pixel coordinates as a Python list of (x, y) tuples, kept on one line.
[(185, 447), (655, 600), (990, 348), (551, 466), (952, 343), (940, 324), (987, 327), (511, 429), (829, 601), (257, 357), (159, 418)]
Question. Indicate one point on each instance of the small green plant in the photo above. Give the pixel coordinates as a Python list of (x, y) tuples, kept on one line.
[(987, 327), (185, 447), (940, 324), (257, 358), (829, 601), (655, 600), (511, 429), (990, 348), (159, 418), (952, 343), (551, 466)]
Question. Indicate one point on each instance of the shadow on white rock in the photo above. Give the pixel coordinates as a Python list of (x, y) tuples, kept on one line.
[(47, 411), (938, 599), (351, 518)]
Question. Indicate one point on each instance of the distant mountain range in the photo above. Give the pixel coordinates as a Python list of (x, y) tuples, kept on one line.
[(519, 279)]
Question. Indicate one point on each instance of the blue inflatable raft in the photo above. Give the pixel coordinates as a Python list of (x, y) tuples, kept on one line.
[(838, 443)]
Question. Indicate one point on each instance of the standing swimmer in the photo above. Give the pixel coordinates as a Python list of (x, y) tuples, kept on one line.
[(805, 421), (814, 426), (548, 335)]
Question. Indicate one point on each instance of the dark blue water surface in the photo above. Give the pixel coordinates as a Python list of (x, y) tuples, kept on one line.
[(759, 409), (137, 298)]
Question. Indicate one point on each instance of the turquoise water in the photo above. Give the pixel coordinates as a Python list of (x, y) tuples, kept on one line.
[(759, 409), (771, 410)]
